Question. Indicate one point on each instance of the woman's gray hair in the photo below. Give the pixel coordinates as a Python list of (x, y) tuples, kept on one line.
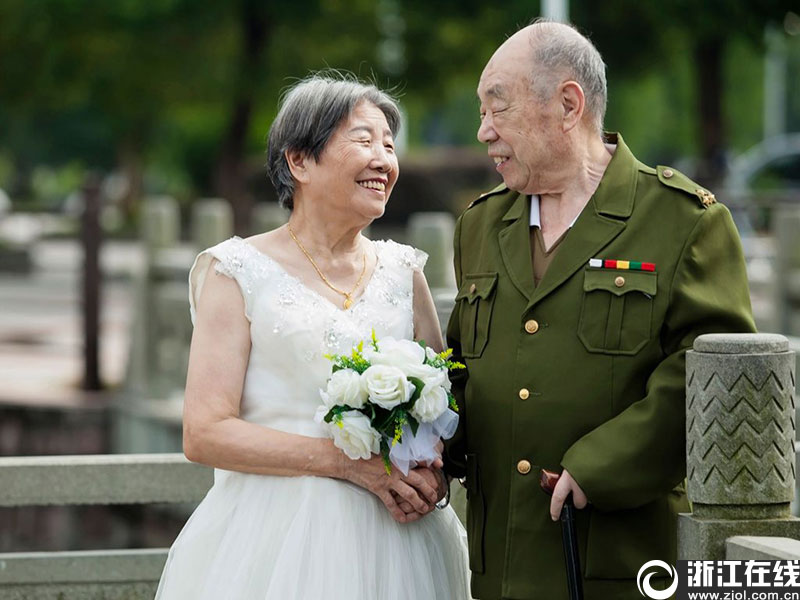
[(559, 50), (309, 113)]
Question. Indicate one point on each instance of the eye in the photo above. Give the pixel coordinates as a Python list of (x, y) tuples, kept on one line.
[(389, 146)]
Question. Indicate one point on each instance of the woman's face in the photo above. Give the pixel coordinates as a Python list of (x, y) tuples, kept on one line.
[(358, 167)]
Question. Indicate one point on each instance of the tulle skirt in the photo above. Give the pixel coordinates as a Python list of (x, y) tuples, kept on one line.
[(257, 537)]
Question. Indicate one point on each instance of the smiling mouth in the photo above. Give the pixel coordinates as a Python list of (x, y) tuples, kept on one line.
[(499, 160), (373, 184)]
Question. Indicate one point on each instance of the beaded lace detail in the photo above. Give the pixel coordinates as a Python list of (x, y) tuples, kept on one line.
[(283, 310)]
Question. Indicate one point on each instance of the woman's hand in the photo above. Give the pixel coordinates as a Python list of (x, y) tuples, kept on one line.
[(416, 491), (436, 478)]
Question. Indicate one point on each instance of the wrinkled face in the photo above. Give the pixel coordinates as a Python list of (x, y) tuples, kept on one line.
[(358, 167), (521, 132)]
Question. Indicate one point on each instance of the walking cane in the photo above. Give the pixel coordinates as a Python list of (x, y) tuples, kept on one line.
[(569, 536)]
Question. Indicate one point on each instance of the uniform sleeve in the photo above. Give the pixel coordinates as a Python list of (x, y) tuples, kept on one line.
[(455, 449), (708, 294)]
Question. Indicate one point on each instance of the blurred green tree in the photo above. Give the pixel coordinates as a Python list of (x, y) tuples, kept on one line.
[(638, 36), (178, 93)]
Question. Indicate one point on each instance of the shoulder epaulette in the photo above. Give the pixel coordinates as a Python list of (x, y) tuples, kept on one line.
[(677, 180), (498, 190)]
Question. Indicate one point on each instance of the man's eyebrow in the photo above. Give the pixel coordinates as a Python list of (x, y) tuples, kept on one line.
[(496, 90)]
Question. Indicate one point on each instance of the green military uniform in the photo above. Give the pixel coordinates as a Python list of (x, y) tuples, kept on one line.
[(584, 372)]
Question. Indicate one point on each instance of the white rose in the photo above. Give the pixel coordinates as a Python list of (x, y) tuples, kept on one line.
[(344, 388), (355, 437), (406, 355), (430, 353), (387, 386), (431, 404), (431, 376)]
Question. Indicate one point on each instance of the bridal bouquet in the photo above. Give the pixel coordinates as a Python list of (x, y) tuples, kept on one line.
[(391, 397)]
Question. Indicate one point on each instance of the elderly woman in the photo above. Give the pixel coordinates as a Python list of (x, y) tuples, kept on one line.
[(289, 515)]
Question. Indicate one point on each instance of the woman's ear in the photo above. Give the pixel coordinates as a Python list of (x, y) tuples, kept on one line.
[(573, 104), (298, 164)]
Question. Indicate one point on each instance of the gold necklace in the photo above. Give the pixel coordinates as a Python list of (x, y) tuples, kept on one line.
[(348, 297)]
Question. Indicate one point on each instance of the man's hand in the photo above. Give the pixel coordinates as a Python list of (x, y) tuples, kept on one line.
[(434, 477), (566, 485)]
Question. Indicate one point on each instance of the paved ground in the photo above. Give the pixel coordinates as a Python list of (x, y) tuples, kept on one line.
[(41, 341)]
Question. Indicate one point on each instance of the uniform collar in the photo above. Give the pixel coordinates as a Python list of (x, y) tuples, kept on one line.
[(535, 216), (614, 196)]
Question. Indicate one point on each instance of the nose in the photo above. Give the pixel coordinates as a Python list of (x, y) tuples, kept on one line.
[(381, 159), (486, 132)]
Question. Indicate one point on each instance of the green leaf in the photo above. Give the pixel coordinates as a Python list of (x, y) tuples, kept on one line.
[(418, 385), (387, 464), (413, 424)]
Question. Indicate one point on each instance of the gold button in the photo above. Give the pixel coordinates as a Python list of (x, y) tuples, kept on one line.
[(472, 289), (619, 281), (524, 394), (667, 173), (531, 326), (524, 467)]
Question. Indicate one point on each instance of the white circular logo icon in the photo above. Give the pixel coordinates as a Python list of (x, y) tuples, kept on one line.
[(643, 583)]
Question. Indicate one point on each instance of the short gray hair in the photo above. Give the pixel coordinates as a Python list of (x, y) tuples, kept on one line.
[(309, 113), (561, 50)]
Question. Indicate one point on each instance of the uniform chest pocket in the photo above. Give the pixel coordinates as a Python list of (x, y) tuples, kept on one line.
[(616, 310), (475, 301)]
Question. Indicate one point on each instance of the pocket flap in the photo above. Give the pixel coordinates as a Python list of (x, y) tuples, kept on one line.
[(477, 285), (620, 282)]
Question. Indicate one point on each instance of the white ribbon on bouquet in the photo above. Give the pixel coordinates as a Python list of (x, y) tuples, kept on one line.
[(413, 449)]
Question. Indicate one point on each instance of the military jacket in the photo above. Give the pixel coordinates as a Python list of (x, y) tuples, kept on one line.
[(586, 373)]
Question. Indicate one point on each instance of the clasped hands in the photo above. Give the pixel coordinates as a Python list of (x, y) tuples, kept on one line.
[(408, 498)]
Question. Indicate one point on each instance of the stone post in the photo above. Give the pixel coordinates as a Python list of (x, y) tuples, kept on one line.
[(267, 216), (786, 224), (159, 232), (161, 222), (212, 222), (740, 431), (433, 233)]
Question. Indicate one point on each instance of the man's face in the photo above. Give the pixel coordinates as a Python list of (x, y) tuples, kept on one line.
[(521, 132)]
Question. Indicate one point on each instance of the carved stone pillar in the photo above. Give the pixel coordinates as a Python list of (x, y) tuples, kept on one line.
[(740, 432)]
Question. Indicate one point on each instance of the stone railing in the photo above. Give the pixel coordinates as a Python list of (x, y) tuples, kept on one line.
[(107, 479), (740, 444), (762, 548)]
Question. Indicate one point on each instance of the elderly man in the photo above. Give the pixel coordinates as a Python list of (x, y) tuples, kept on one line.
[(582, 280)]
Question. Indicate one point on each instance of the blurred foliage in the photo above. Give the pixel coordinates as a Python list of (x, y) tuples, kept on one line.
[(167, 91)]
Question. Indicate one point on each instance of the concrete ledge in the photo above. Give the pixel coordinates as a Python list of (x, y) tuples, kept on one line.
[(762, 548), (80, 591), (706, 539), (94, 567), (102, 479)]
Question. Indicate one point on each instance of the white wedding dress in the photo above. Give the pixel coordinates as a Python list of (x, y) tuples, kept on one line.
[(257, 537)]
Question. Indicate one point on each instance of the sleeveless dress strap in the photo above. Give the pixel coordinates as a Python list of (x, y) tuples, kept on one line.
[(232, 258)]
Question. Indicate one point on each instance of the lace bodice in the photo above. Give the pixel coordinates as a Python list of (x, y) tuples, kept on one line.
[(292, 327)]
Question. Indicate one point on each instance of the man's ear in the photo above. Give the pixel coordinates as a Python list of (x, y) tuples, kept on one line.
[(298, 164), (573, 104)]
